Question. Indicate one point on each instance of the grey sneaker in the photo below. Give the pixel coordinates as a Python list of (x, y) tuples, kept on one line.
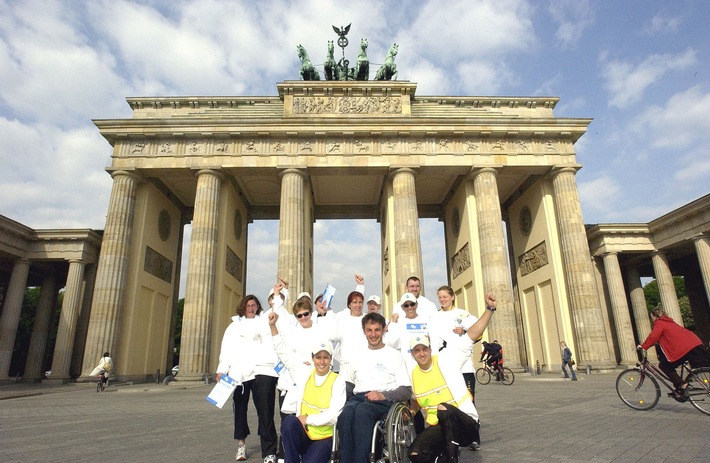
[(475, 446), (241, 453), (270, 459)]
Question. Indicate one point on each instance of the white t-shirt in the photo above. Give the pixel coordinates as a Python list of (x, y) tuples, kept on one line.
[(378, 370), (345, 331), (441, 330), (425, 308), (399, 335)]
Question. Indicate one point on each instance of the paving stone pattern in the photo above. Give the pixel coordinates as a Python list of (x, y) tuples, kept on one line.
[(537, 419)]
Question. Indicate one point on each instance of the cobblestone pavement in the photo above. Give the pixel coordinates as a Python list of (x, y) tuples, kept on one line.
[(537, 419)]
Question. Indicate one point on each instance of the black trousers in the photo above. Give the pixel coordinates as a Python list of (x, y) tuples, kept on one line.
[(455, 429), (470, 380), (264, 390), (697, 357)]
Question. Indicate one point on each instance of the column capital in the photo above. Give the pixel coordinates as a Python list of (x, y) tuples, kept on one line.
[(572, 168), (400, 170), (76, 261), (291, 170), (131, 174), (476, 171), (656, 252), (699, 236), (213, 171), (610, 253)]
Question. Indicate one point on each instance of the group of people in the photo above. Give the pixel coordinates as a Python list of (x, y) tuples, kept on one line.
[(420, 357)]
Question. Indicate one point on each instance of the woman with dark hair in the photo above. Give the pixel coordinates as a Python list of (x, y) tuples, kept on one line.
[(247, 355)]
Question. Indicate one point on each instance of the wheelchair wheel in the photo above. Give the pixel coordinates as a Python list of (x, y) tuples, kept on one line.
[(483, 376), (399, 429)]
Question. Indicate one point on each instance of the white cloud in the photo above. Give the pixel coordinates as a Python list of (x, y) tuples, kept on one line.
[(694, 168), (680, 123), (574, 17), (451, 32), (627, 83), (598, 193), (662, 24)]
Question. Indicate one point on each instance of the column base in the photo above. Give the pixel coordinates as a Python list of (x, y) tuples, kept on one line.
[(205, 378), (598, 367), (57, 381)]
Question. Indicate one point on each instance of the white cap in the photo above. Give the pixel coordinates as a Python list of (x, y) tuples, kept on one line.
[(419, 339), (322, 346), (375, 299), (408, 297), (304, 294)]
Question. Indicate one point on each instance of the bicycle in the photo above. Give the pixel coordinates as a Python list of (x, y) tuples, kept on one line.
[(102, 383), (503, 374), (638, 387)]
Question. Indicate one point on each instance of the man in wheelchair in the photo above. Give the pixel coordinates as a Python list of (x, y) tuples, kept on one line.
[(380, 379), (441, 392)]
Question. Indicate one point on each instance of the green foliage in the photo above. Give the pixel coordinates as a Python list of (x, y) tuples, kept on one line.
[(178, 331), (178, 323), (653, 298)]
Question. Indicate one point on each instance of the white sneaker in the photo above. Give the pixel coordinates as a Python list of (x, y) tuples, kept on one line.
[(241, 453), (270, 459)]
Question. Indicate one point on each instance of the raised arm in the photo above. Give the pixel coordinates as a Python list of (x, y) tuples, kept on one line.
[(479, 327)]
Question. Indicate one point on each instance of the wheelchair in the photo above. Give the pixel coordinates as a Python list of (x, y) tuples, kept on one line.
[(391, 437)]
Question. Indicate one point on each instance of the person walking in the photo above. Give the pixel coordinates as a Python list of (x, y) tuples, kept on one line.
[(567, 361)]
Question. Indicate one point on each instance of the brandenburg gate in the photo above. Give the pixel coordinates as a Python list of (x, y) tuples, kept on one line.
[(499, 172)]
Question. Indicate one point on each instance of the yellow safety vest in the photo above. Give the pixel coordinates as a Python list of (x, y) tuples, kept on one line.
[(315, 400), (430, 390)]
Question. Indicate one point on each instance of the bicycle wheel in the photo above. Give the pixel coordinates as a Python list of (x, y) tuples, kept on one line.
[(98, 385), (483, 376), (638, 391), (507, 377), (699, 389)]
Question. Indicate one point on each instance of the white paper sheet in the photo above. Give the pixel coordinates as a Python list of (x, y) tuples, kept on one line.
[(328, 294), (222, 391)]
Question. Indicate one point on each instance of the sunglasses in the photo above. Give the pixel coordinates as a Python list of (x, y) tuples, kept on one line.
[(302, 314), (408, 305)]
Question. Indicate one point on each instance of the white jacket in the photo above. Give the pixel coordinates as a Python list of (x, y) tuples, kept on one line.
[(301, 372)]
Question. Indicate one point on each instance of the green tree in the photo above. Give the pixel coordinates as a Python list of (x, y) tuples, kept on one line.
[(653, 299), (178, 330)]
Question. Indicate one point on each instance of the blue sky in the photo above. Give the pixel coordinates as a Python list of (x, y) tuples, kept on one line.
[(640, 69)]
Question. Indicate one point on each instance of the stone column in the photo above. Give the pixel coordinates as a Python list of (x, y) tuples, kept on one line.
[(10, 318), (71, 307), (293, 259), (199, 289), (407, 241), (40, 329), (639, 307), (620, 308), (702, 248), (494, 262), (83, 322), (590, 337), (109, 290), (666, 287)]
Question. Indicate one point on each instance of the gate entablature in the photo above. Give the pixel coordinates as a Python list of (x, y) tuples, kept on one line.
[(327, 127)]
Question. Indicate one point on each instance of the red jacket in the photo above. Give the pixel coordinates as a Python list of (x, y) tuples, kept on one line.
[(675, 340)]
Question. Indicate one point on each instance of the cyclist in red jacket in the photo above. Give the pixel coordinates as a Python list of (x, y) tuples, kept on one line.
[(678, 345)]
